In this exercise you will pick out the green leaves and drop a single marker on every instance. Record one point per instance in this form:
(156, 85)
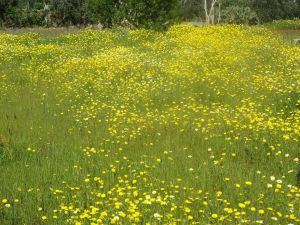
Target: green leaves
(156, 14)
(131, 13)
(239, 15)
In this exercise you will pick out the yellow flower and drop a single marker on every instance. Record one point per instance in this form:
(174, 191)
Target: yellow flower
(44, 218)
(286, 137)
(214, 215)
(186, 209)
(122, 214)
(249, 183)
(190, 217)
(242, 205)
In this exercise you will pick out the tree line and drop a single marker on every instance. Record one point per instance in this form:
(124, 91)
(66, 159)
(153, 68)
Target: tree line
(142, 13)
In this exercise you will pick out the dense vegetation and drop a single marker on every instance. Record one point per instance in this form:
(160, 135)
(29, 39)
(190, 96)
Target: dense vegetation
(139, 13)
(188, 126)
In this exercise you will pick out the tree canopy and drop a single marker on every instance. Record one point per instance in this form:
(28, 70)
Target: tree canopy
(141, 13)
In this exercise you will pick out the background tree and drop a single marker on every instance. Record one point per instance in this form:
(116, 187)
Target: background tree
(101, 11)
(142, 13)
(191, 9)
(268, 10)
(68, 12)
(209, 9)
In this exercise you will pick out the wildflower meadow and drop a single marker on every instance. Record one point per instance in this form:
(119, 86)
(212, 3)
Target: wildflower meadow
(193, 125)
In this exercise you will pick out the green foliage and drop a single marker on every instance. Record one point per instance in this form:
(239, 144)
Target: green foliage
(20, 13)
(139, 13)
(24, 17)
(284, 24)
(244, 11)
(239, 15)
(68, 12)
(269, 10)
(133, 13)
(101, 11)
(191, 10)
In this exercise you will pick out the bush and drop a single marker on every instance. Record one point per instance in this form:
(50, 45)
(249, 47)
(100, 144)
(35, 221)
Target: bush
(239, 15)
(269, 10)
(68, 12)
(101, 11)
(147, 14)
(132, 13)
(24, 18)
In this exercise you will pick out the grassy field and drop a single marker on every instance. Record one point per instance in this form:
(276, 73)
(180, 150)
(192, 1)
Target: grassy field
(289, 35)
(189, 126)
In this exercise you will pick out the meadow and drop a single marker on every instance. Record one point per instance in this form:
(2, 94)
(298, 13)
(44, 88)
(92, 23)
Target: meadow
(188, 126)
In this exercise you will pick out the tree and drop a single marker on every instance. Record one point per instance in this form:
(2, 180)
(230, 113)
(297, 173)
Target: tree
(142, 13)
(191, 9)
(147, 14)
(101, 11)
(133, 13)
(268, 10)
(258, 11)
(239, 15)
(5, 8)
(68, 12)
(209, 8)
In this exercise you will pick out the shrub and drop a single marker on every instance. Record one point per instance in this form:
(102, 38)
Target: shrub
(133, 13)
(239, 15)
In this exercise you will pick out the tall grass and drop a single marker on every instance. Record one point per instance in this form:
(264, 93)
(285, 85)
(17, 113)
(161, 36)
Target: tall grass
(190, 126)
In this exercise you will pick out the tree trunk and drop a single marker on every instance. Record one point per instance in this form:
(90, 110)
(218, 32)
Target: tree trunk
(206, 12)
(219, 13)
(210, 13)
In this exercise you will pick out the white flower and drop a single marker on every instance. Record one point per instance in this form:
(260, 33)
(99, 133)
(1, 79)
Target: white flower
(157, 215)
(272, 178)
(116, 218)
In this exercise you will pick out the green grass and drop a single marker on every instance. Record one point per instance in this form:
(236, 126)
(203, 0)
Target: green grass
(289, 35)
(287, 29)
(188, 126)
